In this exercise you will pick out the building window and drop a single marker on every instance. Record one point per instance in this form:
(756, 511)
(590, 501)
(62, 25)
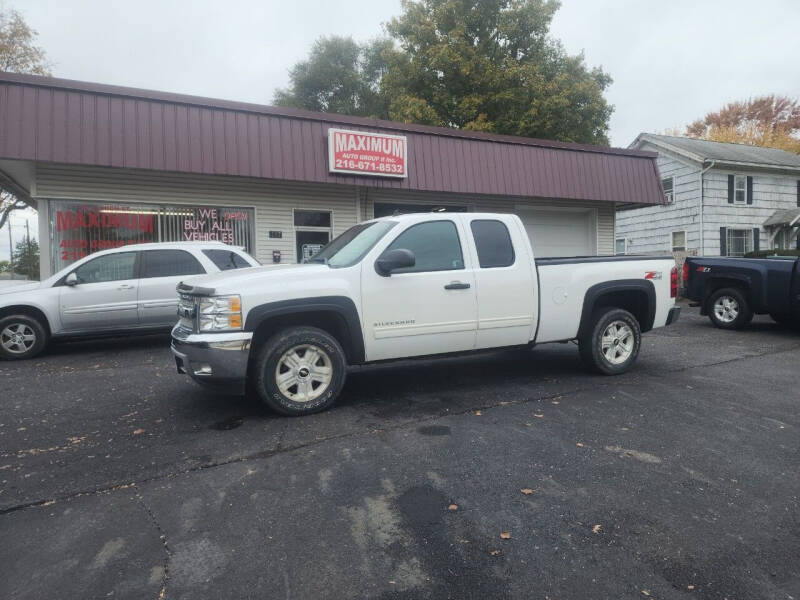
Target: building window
(80, 228)
(669, 189)
(740, 242)
(740, 189)
(621, 246)
(312, 230)
(678, 241)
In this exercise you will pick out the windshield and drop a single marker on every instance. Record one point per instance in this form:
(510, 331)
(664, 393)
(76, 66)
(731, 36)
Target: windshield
(353, 244)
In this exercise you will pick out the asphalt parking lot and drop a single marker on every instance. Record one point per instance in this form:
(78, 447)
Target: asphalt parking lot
(119, 478)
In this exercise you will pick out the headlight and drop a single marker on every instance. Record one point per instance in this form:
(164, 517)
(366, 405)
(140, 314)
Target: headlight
(220, 313)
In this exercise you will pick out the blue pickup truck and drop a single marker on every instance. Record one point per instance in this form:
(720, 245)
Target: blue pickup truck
(731, 290)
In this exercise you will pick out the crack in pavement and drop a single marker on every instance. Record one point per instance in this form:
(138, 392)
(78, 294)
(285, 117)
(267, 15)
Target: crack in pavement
(279, 449)
(163, 537)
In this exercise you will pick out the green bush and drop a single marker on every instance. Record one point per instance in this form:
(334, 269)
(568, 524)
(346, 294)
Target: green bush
(765, 253)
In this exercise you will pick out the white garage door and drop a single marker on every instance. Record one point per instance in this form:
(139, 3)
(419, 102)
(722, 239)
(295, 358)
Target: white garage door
(560, 232)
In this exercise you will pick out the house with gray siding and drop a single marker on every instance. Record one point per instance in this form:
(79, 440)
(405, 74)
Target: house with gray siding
(722, 199)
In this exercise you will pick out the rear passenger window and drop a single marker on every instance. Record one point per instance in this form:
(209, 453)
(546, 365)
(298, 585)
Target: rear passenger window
(493, 244)
(169, 263)
(226, 259)
(435, 245)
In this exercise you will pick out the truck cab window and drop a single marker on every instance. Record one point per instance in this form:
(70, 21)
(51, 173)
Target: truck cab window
(435, 245)
(493, 244)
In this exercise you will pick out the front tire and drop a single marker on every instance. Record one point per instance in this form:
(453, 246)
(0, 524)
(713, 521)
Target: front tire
(21, 337)
(728, 308)
(300, 371)
(612, 342)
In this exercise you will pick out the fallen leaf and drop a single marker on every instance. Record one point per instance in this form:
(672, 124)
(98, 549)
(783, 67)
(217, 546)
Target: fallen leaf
(138, 431)
(494, 552)
(597, 528)
(538, 416)
(453, 507)
(554, 402)
(579, 445)
(528, 424)
(689, 587)
(526, 491)
(645, 592)
(478, 413)
(506, 535)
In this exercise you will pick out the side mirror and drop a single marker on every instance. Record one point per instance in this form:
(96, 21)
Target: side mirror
(71, 279)
(393, 260)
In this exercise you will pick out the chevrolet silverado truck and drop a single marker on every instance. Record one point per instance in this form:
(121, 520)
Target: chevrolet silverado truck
(411, 286)
(731, 290)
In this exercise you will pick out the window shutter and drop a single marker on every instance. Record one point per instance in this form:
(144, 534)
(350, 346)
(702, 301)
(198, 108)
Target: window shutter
(756, 239)
(723, 241)
(798, 197)
(730, 189)
(749, 189)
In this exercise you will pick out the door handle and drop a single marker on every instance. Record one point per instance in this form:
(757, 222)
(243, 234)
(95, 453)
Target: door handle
(456, 285)
(125, 287)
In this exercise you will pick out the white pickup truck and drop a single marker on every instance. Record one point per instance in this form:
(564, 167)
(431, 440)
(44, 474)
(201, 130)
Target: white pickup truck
(409, 286)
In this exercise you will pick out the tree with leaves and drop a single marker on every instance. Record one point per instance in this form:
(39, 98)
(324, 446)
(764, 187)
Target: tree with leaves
(486, 65)
(771, 120)
(18, 54)
(5, 266)
(340, 76)
(26, 258)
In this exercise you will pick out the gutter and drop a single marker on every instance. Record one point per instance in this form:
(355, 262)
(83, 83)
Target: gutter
(702, 210)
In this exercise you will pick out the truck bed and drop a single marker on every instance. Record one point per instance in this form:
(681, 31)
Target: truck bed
(564, 283)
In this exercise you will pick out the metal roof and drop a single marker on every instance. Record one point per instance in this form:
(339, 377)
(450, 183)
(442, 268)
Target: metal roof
(63, 121)
(705, 150)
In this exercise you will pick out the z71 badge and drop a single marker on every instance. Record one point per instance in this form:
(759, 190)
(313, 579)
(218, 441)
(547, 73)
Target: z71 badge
(652, 275)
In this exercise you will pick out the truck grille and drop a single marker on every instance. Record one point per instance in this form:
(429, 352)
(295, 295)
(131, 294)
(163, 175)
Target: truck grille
(187, 310)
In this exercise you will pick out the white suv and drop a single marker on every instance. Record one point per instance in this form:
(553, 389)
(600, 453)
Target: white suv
(127, 289)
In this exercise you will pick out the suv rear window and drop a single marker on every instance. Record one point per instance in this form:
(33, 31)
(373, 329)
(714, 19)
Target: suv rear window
(226, 259)
(493, 244)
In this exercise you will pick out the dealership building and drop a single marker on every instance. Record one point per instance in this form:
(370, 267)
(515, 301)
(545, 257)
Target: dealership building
(108, 166)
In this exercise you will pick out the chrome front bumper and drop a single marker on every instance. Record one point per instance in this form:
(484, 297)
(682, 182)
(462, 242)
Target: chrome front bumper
(213, 359)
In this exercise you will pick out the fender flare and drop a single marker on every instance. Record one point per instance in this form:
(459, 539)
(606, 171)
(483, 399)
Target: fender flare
(340, 305)
(599, 290)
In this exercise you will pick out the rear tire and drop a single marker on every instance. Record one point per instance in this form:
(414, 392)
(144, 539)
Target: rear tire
(612, 342)
(300, 371)
(21, 337)
(728, 308)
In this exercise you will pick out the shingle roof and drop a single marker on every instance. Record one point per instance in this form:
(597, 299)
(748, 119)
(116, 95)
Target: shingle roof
(725, 152)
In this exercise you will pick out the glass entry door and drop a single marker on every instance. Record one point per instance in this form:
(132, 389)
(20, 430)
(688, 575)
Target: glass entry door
(310, 242)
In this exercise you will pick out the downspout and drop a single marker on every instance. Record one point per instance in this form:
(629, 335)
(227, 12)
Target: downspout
(702, 211)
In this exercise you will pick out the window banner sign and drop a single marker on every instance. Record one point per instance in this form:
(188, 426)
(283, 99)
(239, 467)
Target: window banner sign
(362, 153)
(80, 228)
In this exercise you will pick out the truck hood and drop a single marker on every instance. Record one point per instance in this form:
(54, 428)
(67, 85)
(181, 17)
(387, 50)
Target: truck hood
(231, 282)
(11, 288)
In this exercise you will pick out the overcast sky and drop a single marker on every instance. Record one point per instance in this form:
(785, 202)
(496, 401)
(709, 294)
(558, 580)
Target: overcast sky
(672, 60)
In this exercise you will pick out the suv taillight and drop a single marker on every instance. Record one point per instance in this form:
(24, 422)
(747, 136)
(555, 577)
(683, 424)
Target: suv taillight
(685, 273)
(673, 282)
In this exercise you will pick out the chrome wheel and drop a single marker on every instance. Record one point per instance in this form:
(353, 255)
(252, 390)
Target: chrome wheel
(617, 342)
(17, 338)
(303, 373)
(726, 309)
